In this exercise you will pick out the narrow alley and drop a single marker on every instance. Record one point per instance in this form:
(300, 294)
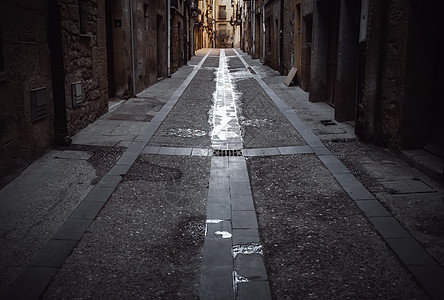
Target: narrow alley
(221, 182)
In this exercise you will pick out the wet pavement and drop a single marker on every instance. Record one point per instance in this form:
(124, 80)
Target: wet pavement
(221, 183)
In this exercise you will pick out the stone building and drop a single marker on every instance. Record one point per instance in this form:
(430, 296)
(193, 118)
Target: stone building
(376, 62)
(203, 30)
(53, 75)
(224, 31)
(136, 44)
(400, 71)
(181, 33)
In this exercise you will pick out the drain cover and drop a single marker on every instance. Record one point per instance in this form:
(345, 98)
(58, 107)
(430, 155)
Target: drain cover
(251, 70)
(328, 122)
(217, 152)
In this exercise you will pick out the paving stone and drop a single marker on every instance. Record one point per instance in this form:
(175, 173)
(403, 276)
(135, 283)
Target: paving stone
(87, 210)
(136, 147)
(111, 181)
(303, 149)
(166, 151)
(218, 196)
(144, 137)
(245, 236)
(407, 186)
(72, 154)
(240, 176)
(253, 290)
(250, 266)
(312, 140)
(240, 189)
(183, 151)
(199, 152)
(219, 173)
(220, 183)
(54, 253)
(236, 160)
(219, 162)
(126, 160)
(334, 165)
(242, 202)
(372, 208)
(217, 210)
(389, 228)
(287, 150)
(72, 229)
(216, 283)
(100, 194)
(217, 225)
(270, 151)
(431, 278)
(119, 170)
(321, 151)
(246, 152)
(411, 252)
(151, 150)
(255, 152)
(31, 283)
(217, 252)
(244, 219)
(355, 189)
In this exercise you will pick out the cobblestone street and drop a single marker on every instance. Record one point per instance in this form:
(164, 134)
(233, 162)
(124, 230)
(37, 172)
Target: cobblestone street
(221, 182)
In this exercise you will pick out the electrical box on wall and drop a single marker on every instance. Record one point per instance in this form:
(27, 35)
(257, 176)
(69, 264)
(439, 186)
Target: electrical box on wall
(39, 108)
(76, 94)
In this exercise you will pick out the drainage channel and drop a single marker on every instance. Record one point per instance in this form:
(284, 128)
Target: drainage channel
(232, 263)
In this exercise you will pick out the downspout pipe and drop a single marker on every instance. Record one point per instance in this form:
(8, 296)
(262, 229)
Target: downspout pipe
(169, 38)
(281, 39)
(133, 65)
(253, 25)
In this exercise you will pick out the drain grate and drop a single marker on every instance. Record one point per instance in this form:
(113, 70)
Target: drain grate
(251, 70)
(218, 152)
(328, 122)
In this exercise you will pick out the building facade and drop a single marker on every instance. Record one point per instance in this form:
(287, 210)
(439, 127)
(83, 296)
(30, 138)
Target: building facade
(53, 76)
(57, 76)
(224, 31)
(363, 58)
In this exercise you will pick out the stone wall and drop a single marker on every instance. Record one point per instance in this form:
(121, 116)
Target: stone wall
(289, 27)
(84, 46)
(23, 136)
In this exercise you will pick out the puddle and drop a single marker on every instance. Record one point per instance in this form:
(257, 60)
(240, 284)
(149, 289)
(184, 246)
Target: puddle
(237, 278)
(256, 122)
(224, 234)
(211, 221)
(186, 132)
(226, 132)
(253, 248)
(214, 221)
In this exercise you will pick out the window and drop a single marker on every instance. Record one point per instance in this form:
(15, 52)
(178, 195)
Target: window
(222, 12)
